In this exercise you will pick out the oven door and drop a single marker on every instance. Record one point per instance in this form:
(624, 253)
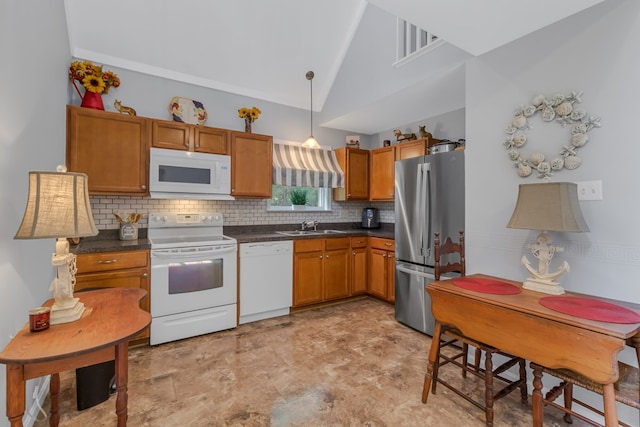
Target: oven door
(188, 279)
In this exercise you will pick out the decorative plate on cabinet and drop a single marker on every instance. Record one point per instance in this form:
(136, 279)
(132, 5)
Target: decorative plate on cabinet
(187, 110)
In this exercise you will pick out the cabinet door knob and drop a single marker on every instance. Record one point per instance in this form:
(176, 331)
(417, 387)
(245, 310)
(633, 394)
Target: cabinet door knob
(327, 256)
(143, 187)
(186, 144)
(145, 275)
(320, 256)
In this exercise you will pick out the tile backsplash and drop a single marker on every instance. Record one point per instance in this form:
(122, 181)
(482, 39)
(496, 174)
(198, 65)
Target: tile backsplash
(235, 212)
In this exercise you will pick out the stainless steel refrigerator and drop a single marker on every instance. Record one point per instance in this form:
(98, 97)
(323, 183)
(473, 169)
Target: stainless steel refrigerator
(429, 197)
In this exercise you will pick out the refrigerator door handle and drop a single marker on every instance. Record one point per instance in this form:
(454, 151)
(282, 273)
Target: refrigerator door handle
(426, 193)
(419, 197)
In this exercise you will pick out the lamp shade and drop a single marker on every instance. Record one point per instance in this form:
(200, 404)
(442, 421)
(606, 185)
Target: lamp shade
(551, 206)
(58, 205)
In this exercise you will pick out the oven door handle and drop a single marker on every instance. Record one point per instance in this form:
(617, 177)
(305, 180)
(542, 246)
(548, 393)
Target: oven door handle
(191, 253)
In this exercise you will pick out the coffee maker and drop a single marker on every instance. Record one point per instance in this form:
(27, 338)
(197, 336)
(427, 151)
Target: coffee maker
(370, 218)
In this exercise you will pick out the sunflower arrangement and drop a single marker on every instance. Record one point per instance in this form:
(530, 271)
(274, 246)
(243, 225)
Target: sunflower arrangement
(92, 77)
(250, 114)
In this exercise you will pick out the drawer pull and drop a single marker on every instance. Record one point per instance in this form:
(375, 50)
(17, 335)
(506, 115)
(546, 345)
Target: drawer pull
(387, 244)
(108, 261)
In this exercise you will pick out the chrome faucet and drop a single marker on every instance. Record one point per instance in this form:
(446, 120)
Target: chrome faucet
(306, 225)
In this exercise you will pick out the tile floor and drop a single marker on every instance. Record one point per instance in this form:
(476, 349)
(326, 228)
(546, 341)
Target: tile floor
(349, 364)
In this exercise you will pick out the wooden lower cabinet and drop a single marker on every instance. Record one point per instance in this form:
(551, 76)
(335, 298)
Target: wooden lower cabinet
(358, 265)
(336, 268)
(382, 268)
(307, 272)
(320, 270)
(120, 269)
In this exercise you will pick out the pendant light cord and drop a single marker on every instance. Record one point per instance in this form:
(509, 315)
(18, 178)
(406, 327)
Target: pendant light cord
(310, 76)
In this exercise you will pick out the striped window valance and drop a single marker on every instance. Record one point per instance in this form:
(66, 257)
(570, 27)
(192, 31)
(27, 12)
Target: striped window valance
(306, 167)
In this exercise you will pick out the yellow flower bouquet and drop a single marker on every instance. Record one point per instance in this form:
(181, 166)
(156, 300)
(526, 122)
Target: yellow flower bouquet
(92, 77)
(249, 113)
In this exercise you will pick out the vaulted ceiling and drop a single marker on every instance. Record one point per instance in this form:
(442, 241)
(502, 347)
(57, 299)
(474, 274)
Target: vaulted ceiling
(262, 49)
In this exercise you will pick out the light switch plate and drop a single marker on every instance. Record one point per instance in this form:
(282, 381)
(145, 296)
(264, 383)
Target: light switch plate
(589, 190)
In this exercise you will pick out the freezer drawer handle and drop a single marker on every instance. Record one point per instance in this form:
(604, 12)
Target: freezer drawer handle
(414, 272)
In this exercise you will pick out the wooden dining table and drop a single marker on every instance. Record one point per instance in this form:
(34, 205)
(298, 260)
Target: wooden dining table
(112, 316)
(520, 325)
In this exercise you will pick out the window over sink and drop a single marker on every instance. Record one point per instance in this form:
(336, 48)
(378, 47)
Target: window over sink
(317, 199)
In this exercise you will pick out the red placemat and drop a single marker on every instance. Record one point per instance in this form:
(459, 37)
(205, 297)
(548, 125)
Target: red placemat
(586, 308)
(486, 286)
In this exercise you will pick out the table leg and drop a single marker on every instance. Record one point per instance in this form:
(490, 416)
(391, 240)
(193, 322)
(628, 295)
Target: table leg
(122, 374)
(54, 393)
(15, 394)
(610, 411)
(433, 354)
(536, 397)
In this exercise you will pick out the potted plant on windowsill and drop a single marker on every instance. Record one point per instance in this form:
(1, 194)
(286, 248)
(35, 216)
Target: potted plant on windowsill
(298, 198)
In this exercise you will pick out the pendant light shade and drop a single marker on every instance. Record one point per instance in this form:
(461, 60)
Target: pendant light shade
(311, 141)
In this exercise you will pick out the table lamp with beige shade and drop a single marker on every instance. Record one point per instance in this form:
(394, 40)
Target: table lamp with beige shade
(550, 206)
(58, 206)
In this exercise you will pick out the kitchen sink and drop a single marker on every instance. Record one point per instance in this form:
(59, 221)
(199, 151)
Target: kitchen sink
(309, 232)
(297, 232)
(331, 231)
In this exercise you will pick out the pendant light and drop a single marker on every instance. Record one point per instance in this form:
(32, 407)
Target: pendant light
(311, 141)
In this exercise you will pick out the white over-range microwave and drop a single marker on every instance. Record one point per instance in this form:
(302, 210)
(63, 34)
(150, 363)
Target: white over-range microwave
(177, 174)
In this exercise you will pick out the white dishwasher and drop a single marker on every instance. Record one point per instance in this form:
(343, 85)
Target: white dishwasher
(266, 280)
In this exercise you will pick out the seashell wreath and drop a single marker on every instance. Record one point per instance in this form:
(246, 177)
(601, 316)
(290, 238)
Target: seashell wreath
(561, 109)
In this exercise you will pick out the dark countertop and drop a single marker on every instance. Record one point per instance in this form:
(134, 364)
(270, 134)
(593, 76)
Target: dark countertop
(267, 233)
(108, 240)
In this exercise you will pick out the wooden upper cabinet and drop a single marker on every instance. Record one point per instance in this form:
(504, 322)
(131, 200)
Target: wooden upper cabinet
(211, 140)
(251, 165)
(183, 136)
(415, 148)
(355, 164)
(382, 181)
(111, 148)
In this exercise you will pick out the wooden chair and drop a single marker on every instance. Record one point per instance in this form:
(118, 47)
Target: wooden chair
(626, 389)
(453, 338)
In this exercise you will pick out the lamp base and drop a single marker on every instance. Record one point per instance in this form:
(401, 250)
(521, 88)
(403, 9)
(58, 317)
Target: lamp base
(67, 314)
(544, 286)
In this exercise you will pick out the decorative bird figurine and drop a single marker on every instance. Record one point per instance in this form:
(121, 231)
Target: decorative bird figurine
(423, 132)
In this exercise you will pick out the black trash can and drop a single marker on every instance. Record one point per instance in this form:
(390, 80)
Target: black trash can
(94, 383)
